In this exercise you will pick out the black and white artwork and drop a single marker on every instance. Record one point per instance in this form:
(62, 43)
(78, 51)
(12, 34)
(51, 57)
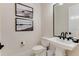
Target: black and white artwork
(22, 10)
(23, 24)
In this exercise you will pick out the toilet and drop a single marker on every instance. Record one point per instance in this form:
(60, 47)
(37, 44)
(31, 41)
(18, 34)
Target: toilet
(40, 50)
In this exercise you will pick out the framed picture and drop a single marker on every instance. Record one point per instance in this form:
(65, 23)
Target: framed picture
(22, 10)
(23, 24)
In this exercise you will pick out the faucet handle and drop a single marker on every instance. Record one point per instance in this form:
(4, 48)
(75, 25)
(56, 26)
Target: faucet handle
(70, 33)
(66, 32)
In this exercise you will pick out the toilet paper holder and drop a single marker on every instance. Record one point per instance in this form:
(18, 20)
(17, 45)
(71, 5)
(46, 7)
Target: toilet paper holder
(21, 43)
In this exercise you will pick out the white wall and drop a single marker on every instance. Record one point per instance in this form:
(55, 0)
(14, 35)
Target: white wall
(47, 19)
(12, 39)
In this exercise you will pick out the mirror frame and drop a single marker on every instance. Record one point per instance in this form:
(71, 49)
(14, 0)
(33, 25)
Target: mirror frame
(54, 21)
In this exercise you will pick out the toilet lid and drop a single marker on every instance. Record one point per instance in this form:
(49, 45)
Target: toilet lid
(38, 47)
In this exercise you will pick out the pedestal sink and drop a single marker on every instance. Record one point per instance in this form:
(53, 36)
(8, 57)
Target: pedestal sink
(61, 45)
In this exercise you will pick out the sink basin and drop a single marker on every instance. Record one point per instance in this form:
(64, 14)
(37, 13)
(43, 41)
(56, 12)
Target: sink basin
(64, 44)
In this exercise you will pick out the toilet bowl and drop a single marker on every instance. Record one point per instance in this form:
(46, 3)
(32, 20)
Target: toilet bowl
(39, 50)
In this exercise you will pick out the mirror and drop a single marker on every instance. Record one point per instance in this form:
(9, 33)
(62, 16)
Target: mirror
(66, 18)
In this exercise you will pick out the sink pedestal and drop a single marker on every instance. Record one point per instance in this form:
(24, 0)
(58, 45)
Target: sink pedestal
(59, 51)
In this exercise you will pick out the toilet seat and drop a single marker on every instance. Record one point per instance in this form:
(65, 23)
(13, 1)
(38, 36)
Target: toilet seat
(38, 49)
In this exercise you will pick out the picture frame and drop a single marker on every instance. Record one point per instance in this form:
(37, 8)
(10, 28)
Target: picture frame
(24, 11)
(23, 24)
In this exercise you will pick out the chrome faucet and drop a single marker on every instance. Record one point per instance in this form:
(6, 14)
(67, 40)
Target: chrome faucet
(65, 34)
(62, 35)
